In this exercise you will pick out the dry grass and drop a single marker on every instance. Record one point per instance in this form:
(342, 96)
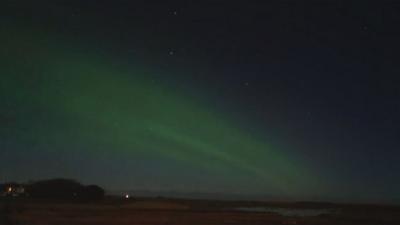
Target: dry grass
(146, 212)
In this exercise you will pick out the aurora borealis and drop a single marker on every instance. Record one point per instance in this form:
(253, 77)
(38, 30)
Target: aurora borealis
(83, 104)
(118, 109)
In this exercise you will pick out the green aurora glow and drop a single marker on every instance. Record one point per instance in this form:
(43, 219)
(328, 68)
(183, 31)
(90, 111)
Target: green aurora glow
(78, 99)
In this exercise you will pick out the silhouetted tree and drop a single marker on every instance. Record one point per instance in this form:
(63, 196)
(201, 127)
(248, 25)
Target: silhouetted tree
(55, 189)
(92, 193)
(64, 189)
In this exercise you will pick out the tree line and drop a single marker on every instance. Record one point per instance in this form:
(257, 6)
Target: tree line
(60, 188)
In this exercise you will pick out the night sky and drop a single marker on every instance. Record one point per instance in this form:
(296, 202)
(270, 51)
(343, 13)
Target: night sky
(282, 100)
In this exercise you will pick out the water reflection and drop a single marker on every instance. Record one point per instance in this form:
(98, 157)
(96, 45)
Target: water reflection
(286, 211)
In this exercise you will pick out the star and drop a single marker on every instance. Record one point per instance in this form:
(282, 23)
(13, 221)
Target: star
(309, 115)
(171, 52)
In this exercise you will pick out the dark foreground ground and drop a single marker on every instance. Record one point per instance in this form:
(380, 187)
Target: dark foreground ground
(187, 212)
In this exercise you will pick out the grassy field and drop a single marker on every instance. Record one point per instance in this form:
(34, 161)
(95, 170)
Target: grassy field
(185, 212)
